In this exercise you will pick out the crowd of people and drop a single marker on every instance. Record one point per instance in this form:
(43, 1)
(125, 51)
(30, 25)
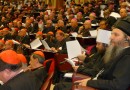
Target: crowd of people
(107, 64)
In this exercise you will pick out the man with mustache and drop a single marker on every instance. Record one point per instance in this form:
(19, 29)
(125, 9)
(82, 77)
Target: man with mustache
(115, 75)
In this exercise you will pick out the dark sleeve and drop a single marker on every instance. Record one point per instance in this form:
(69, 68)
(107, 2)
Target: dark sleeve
(26, 40)
(87, 71)
(121, 77)
(64, 50)
(91, 68)
(64, 47)
(41, 74)
(111, 21)
(4, 87)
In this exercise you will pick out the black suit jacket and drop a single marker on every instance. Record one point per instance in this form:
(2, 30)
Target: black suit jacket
(62, 44)
(116, 75)
(95, 63)
(47, 29)
(26, 81)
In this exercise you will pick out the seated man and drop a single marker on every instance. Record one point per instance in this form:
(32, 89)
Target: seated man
(23, 60)
(50, 39)
(60, 46)
(84, 30)
(12, 75)
(39, 35)
(92, 67)
(9, 45)
(114, 76)
(94, 62)
(103, 25)
(36, 60)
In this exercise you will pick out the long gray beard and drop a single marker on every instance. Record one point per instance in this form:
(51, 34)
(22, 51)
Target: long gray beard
(112, 52)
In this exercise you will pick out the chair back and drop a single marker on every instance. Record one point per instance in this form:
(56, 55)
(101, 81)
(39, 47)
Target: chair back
(61, 64)
(50, 66)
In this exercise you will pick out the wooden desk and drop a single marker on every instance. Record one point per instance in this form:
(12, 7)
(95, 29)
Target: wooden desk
(49, 55)
(85, 41)
(77, 76)
(61, 64)
(78, 87)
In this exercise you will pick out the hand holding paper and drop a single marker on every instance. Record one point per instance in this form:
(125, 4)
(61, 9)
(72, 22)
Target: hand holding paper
(71, 62)
(46, 45)
(35, 44)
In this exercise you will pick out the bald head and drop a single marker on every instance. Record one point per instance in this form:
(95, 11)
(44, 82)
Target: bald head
(74, 22)
(106, 13)
(9, 45)
(87, 24)
(22, 32)
(79, 15)
(92, 16)
(123, 5)
(123, 12)
(60, 23)
(49, 23)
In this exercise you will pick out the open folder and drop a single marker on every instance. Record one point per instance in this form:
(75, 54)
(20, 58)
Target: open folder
(35, 43)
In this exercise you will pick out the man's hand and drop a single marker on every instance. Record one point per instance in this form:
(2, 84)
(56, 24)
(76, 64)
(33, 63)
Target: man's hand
(75, 68)
(81, 57)
(83, 82)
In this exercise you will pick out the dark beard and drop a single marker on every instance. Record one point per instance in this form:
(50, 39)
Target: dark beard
(112, 52)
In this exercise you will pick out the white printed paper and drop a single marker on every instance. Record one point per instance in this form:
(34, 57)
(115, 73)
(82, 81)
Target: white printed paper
(35, 44)
(103, 36)
(68, 75)
(116, 15)
(73, 49)
(74, 34)
(93, 33)
(71, 62)
(46, 45)
(15, 42)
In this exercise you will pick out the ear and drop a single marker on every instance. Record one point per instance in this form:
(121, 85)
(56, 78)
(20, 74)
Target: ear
(37, 61)
(128, 37)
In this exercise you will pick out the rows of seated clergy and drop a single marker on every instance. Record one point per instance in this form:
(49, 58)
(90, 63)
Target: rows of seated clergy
(21, 24)
(104, 69)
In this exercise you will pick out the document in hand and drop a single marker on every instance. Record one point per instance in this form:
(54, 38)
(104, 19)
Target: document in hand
(73, 49)
(93, 33)
(116, 15)
(74, 34)
(46, 46)
(35, 44)
(68, 75)
(15, 42)
(103, 36)
(70, 61)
